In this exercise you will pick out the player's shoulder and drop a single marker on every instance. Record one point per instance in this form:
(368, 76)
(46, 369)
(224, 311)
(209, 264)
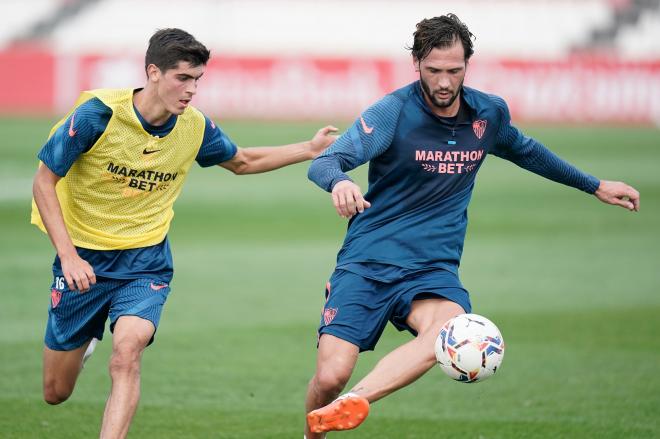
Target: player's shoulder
(191, 121)
(93, 108)
(194, 114)
(90, 115)
(110, 96)
(97, 106)
(481, 101)
(196, 111)
(392, 102)
(403, 94)
(487, 106)
(210, 127)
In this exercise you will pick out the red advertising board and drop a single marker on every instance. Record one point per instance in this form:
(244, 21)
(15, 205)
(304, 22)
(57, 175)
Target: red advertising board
(575, 90)
(27, 78)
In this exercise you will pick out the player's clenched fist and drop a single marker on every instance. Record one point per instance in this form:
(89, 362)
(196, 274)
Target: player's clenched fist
(348, 200)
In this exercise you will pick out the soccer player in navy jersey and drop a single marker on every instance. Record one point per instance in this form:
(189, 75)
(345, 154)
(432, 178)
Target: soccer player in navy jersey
(424, 143)
(109, 175)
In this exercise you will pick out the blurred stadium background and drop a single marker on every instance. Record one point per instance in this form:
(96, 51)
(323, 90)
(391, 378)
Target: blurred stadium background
(553, 60)
(572, 284)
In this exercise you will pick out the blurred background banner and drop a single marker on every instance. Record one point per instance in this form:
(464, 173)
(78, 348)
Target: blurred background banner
(595, 61)
(578, 89)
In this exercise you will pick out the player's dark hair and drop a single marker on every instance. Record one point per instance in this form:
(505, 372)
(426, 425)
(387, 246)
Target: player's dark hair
(441, 32)
(169, 46)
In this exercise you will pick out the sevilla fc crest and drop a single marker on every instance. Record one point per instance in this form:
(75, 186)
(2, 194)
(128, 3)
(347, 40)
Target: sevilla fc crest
(329, 314)
(479, 127)
(55, 297)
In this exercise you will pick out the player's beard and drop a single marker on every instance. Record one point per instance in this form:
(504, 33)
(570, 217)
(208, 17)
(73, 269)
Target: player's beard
(437, 102)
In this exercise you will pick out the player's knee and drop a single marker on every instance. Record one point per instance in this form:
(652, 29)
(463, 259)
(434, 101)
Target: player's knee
(54, 394)
(124, 361)
(332, 379)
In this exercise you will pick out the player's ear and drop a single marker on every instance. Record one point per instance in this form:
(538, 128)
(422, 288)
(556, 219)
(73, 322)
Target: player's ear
(153, 72)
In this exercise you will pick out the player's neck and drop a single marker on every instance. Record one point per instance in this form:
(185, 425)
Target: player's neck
(150, 106)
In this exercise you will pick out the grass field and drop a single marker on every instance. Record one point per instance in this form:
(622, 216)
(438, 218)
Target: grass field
(573, 285)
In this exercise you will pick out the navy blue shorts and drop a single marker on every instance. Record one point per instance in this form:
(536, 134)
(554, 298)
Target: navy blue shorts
(75, 317)
(357, 309)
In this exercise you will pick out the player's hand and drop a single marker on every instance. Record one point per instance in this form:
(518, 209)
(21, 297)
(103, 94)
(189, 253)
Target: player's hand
(348, 200)
(618, 194)
(78, 273)
(322, 139)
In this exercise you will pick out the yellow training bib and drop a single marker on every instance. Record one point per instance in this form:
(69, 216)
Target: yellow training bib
(120, 193)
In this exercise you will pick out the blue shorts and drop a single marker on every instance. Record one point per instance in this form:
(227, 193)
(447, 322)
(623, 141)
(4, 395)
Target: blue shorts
(357, 309)
(74, 317)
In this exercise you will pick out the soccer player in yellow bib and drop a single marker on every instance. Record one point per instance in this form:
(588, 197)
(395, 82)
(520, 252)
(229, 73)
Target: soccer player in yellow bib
(109, 175)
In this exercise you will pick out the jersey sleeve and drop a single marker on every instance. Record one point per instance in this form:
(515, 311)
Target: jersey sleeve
(216, 146)
(526, 152)
(75, 136)
(370, 136)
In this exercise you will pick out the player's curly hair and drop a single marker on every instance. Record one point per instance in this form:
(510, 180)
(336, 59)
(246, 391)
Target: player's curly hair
(441, 32)
(169, 46)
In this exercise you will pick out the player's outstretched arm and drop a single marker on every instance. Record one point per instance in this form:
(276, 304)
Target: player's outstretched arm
(78, 273)
(618, 194)
(267, 158)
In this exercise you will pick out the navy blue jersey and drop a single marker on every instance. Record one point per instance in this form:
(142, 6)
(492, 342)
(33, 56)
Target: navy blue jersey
(61, 151)
(422, 170)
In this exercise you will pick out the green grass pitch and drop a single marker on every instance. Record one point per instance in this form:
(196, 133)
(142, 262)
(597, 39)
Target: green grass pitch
(573, 285)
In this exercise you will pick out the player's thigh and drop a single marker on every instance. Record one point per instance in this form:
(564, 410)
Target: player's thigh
(142, 300)
(429, 313)
(357, 309)
(429, 300)
(61, 368)
(336, 353)
(132, 334)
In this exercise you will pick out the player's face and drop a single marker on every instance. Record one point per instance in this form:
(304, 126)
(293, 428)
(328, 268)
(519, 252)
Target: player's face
(441, 74)
(177, 86)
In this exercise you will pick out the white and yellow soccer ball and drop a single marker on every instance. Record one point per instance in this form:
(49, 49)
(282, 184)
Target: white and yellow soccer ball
(469, 348)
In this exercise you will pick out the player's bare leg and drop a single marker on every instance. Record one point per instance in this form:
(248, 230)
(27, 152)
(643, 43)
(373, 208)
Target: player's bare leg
(131, 335)
(410, 361)
(335, 361)
(61, 370)
(397, 369)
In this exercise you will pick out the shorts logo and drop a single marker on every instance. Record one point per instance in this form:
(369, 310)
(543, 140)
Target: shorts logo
(157, 287)
(329, 314)
(55, 297)
(479, 127)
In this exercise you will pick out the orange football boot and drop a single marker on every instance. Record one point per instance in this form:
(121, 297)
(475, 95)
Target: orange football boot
(344, 413)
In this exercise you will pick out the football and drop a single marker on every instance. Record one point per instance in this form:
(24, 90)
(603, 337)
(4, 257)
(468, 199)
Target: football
(469, 348)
